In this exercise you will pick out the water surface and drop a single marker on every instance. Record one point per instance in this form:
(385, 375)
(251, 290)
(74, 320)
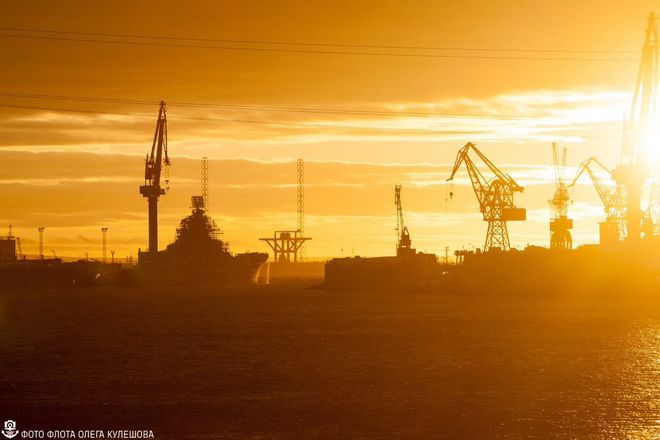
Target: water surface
(281, 362)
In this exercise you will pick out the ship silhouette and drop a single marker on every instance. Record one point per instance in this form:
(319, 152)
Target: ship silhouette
(198, 256)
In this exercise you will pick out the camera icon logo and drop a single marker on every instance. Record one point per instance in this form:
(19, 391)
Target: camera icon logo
(10, 430)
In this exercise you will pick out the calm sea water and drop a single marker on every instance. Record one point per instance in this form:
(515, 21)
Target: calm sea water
(297, 364)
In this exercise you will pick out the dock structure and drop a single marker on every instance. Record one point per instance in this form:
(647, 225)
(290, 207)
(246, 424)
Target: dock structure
(8, 248)
(286, 245)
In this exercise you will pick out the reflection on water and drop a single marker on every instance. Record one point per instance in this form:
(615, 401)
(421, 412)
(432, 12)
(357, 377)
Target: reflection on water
(640, 393)
(288, 364)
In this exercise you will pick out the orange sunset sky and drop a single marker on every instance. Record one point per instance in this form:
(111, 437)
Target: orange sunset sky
(369, 93)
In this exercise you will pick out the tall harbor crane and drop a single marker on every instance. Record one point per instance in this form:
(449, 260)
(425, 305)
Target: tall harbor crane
(613, 197)
(495, 196)
(634, 170)
(403, 244)
(560, 224)
(154, 164)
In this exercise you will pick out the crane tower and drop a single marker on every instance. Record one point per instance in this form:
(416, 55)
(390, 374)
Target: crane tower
(154, 164)
(560, 224)
(634, 168)
(495, 196)
(403, 244)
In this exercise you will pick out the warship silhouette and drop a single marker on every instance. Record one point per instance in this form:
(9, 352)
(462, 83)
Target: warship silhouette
(198, 256)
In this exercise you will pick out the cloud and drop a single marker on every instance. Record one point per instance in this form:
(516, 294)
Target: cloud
(78, 172)
(532, 116)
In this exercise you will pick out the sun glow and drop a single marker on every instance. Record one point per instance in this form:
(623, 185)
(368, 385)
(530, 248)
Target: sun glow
(651, 147)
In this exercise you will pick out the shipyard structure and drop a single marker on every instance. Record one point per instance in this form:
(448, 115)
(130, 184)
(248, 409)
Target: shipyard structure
(627, 256)
(406, 270)
(198, 255)
(628, 251)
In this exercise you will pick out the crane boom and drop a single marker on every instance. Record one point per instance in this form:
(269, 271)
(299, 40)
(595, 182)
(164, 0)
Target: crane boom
(607, 196)
(560, 164)
(154, 163)
(495, 196)
(642, 106)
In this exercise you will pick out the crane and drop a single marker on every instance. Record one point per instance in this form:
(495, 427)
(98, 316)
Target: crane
(403, 245)
(495, 196)
(560, 224)
(634, 169)
(154, 163)
(613, 198)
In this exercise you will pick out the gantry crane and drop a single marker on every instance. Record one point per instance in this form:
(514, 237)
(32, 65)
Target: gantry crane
(560, 224)
(634, 169)
(613, 229)
(154, 164)
(495, 196)
(403, 245)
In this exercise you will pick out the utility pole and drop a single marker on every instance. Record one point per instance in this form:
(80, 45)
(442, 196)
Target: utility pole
(112, 255)
(104, 231)
(41, 242)
(19, 254)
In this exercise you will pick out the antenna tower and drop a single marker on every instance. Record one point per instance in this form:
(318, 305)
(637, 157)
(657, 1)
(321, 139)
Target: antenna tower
(301, 200)
(205, 182)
